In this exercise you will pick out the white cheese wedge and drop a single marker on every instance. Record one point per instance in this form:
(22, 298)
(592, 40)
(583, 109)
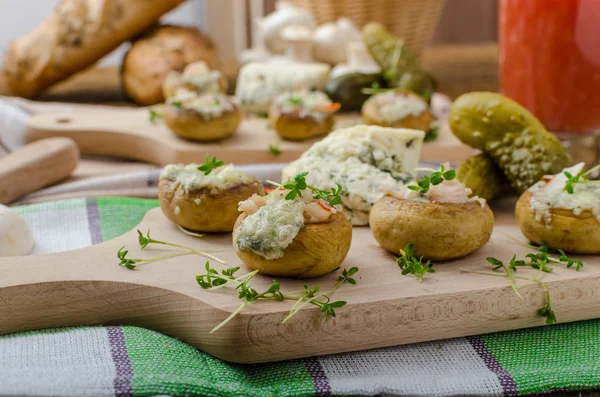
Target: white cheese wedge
(260, 82)
(367, 161)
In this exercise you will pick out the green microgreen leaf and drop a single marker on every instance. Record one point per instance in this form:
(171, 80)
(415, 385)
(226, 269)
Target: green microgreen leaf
(432, 134)
(154, 116)
(209, 165)
(410, 264)
(275, 150)
(435, 178)
(297, 101)
(298, 184)
(581, 177)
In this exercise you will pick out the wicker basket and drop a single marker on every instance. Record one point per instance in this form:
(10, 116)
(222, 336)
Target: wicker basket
(412, 20)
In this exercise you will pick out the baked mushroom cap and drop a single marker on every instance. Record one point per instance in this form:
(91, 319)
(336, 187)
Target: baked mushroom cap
(577, 234)
(438, 231)
(191, 124)
(295, 127)
(318, 249)
(371, 114)
(208, 209)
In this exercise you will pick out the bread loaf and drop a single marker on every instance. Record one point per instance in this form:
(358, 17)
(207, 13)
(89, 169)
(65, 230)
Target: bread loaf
(76, 35)
(159, 51)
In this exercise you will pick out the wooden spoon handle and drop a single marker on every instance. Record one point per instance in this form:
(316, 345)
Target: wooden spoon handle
(35, 166)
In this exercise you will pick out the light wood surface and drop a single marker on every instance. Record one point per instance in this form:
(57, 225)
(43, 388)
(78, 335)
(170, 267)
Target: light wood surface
(384, 308)
(127, 133)
(35, 166)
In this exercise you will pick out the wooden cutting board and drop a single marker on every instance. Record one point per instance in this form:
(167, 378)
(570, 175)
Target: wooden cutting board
(87, 287)
(128, 133)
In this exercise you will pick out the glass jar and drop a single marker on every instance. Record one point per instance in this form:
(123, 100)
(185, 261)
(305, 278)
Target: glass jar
(550, 63)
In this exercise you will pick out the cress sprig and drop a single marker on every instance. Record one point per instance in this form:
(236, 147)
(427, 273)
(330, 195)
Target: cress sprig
(275, 151)
(154, 115)
(212, 280)
(410, 264)
(145, 240)
(296, 100)
(210, 164)
(435, 178)
(563, 259)
(298, 184)
(509, 272)
(540, 261)
(580, 177)
(311, 296)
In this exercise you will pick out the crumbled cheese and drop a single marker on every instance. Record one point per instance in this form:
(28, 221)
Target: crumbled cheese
(395, 106)
(367, 161)
(191, 179)
(585, 197)
(199, 75)
(304, 104)
(209, 105)
(449, 191)
(271, 229)
(260, 82)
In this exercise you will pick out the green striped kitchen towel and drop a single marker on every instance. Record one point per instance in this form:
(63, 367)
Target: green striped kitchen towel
(130, 361)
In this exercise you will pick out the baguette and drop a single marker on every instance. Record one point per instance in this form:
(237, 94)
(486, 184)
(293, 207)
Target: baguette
(77, 34)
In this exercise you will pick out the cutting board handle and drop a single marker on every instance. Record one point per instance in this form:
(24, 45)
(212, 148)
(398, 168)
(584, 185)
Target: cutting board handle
(123, 133)
(35, 166)
(87, 287)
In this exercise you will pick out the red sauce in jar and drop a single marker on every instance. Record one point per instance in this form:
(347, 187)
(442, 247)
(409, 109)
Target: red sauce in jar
(550, 60)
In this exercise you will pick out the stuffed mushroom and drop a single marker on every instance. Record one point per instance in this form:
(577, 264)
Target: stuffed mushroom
(205, 117)
(299, 237)
(302, 114)
(439, 217)
(397, 109)
(196, 77)
(203, 202)
(563, 212)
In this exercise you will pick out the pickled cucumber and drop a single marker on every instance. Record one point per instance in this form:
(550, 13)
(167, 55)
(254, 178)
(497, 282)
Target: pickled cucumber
(517, 141)
(347, 89)
(399, 65)
(481, 174)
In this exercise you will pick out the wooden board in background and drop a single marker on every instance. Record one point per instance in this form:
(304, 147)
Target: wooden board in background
(127, 133)
(86, 287)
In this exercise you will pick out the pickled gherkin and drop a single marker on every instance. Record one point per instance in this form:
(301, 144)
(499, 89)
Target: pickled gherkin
(399, 65)
(347, 89)
(481, 174)
(516, 141)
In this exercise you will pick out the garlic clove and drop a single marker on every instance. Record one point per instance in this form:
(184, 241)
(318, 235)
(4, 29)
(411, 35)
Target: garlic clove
(330, 40)
(16, 238)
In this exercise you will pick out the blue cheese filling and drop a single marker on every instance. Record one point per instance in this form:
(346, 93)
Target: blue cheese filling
(394, 106)
(191, 179)
(304, 104)
(585, 197)
(209, 105)
(270, 230)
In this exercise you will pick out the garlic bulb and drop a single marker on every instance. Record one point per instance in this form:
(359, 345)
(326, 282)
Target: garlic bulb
(330, 40)
(16, 238)
(285, 14)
